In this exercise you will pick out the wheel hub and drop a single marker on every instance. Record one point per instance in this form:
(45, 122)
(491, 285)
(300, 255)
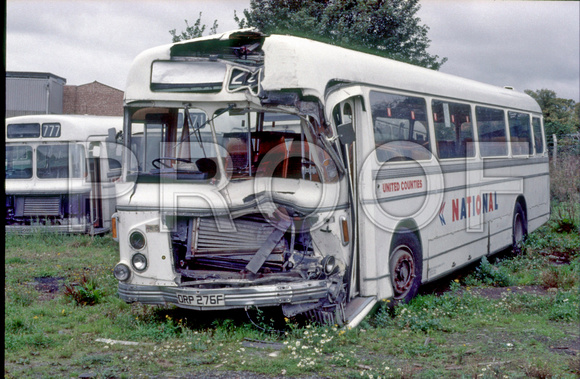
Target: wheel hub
(403, 272)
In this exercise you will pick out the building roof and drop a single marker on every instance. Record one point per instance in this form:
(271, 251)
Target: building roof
(33, 75)
(93, 83)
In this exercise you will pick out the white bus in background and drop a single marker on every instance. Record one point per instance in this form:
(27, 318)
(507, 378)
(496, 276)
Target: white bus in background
(60, 172)
(279, 171)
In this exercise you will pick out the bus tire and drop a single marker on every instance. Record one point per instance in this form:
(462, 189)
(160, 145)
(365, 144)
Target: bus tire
(405, 266)
(519, 228)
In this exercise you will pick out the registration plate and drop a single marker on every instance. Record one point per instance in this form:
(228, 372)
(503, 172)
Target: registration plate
(202, 300)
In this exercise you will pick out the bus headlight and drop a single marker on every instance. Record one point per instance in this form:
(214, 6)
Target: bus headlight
(329, 265)
(139, 262)
(137, 240)
(121, 272)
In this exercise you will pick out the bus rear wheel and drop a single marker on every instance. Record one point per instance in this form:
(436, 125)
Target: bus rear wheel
(519, 229)
(405, 266)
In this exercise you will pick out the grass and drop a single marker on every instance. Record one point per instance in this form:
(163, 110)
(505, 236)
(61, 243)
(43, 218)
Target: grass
(62, 318)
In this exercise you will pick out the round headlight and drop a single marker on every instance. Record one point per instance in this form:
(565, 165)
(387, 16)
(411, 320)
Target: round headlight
(139, 262)
(137, 240)
(329, 265)
(121, 272)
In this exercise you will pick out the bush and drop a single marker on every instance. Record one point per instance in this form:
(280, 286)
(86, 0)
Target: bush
(565, 307)
(86, 292)
(565, 191)
(489, 274)
(562, 277)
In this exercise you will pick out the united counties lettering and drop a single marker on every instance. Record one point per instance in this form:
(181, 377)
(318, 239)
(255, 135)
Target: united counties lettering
(473, 206)
(404, 185)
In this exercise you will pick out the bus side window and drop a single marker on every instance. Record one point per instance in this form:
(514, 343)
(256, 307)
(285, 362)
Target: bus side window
(18, 162)
(453, 129)
(538, 140)
(400, 127)
(491, 130)
(52, 161)
(77, 153)
(520, 133)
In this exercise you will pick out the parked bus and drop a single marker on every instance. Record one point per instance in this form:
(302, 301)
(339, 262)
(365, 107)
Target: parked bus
(60, 172)
(279, 171)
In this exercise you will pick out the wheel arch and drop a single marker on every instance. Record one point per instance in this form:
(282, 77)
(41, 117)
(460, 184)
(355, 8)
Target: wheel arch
(522, 201)
(410, 225)
(407, 233)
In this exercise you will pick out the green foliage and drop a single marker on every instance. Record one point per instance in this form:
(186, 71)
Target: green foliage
(490, 275)
(454, 334)
(559, 277)
(561, 116)
(86, 292)
(565, 191)
(549, 240)
(427, 312)
(564, 307)
(193, 31)
(386, 28)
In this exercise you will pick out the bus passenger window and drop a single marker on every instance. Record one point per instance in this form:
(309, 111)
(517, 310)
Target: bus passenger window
(453, 129)
(52, 161)
(520, 134)
(538, 140)
(491, 131)
(18, 162)
(400, 127)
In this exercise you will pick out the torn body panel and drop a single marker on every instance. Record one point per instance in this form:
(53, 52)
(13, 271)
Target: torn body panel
(247, 184)
(262, 228)
(265, 261)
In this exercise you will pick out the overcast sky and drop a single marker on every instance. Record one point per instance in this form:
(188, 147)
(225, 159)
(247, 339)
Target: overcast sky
(524, 44)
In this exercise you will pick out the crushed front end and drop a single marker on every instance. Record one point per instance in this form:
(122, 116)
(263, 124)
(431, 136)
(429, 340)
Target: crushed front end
(254, 259)
(240, 197)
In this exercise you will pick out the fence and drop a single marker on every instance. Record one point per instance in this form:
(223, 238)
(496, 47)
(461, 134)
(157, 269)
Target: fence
(566, 145)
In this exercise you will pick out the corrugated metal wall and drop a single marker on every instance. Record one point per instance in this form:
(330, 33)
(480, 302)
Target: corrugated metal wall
(28, 95)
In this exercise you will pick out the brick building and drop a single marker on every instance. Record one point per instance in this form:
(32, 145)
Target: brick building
(93, 98)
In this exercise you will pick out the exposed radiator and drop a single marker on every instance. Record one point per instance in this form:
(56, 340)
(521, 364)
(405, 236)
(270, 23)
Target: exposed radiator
(41, 206)
(249, 236)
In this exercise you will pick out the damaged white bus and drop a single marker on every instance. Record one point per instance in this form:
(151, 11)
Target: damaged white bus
(60, 172)
(279, 171)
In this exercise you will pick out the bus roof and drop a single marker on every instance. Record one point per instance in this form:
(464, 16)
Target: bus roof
(311, 66)
(73, 127)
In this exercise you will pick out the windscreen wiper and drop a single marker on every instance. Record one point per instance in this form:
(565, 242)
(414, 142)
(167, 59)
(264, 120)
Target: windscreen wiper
(197, 127)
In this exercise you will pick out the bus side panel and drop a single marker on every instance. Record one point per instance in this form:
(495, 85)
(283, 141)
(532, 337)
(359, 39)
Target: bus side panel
(537, 193)
(477, 219)
(374, 259)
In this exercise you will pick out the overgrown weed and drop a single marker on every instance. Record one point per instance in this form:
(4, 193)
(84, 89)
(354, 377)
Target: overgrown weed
(539, 369)
(86, 292)
(565, 193)
(432, 332)
(563, 277)
(488, 274)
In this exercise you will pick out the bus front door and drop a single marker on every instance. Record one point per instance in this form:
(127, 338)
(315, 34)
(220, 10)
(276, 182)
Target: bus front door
(96, 214)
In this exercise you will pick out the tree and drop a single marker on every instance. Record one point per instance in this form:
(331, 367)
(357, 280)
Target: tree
(194, 31)
(560, 115)
(382, 27)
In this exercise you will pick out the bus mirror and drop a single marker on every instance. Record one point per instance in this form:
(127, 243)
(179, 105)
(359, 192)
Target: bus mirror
(111, 135)
(346, 133)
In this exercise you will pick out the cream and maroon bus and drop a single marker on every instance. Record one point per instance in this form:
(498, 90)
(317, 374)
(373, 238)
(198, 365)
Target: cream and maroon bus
(60, 172)
(273, 170)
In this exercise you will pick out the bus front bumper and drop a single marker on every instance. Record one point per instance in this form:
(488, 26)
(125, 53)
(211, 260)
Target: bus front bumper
(227, 297)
